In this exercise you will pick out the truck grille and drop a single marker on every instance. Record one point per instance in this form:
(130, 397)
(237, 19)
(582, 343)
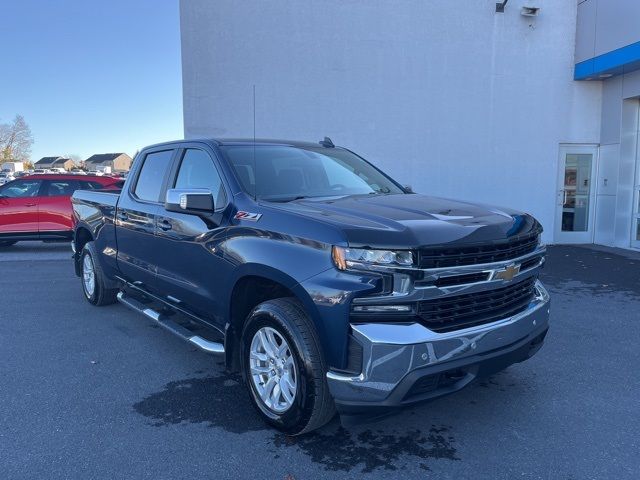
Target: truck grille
(438, 257)
(461, 311)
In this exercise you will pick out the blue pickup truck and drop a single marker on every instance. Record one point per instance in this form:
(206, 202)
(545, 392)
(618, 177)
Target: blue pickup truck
(324, 282)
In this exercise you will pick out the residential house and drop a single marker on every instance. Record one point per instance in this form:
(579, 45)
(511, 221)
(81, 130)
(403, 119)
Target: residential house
(118, 162)
(55, 162)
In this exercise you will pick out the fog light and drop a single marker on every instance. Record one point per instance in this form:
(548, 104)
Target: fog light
(381, 308)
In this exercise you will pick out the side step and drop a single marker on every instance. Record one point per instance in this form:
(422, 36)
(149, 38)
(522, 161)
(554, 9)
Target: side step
(179, 330)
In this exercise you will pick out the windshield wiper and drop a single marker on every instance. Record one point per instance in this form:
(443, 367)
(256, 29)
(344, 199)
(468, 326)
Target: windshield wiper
(286, 199)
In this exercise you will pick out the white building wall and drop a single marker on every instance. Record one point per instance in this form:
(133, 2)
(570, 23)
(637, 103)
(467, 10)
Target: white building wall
(450, 97)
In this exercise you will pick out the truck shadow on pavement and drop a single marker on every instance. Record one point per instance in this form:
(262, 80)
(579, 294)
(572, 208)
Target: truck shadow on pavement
(222, 402)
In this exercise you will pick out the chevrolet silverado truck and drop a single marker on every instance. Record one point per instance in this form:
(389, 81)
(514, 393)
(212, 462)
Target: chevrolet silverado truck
(325, 283)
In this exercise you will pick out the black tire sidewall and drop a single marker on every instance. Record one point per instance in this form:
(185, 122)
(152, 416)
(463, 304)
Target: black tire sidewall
(297, 416)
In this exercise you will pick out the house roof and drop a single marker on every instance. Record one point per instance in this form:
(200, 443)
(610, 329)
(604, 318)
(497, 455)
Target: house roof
(103, 157)
(48, 160)
(52, 161)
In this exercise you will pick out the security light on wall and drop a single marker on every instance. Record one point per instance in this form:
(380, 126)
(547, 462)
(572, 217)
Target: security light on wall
(500, 6)
(529, 11)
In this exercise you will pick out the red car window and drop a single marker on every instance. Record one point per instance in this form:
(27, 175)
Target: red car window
(21, 188)
(61, 188)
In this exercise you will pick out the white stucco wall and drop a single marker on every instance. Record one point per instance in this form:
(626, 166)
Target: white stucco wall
(450, 97)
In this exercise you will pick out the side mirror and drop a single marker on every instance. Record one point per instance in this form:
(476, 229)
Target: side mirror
(408, 188)
(195, 201)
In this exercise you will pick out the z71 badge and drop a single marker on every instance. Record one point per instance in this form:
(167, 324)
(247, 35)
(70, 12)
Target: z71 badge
(252, 217)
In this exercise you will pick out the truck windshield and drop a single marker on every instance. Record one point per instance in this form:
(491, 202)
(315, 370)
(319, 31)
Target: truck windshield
(285, 173)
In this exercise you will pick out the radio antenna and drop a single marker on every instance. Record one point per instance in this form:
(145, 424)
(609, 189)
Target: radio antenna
(255, 173)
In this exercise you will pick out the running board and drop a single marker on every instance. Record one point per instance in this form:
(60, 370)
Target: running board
(179, 330)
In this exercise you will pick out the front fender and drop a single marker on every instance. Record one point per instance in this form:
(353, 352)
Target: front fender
(278, 276)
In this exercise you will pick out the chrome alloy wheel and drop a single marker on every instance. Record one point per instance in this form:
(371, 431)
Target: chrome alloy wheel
(273, 370)
(88, 275)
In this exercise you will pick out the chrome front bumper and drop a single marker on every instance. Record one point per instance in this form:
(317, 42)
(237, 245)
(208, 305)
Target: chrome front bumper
(395, 354)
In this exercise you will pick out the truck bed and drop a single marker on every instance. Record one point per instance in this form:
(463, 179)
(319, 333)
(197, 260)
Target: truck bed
(95, 206)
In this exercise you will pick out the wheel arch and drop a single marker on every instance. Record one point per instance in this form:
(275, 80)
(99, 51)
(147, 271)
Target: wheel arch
(251, 287)
(81, 237)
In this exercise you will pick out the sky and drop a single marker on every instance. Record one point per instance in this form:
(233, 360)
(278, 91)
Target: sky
(92, 76)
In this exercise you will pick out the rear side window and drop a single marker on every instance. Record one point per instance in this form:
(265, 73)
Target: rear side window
(61, 188)
(154, 169)
(197, 170)
(87, 185)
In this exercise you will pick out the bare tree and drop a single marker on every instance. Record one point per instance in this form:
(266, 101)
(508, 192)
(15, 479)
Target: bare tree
(15, 140)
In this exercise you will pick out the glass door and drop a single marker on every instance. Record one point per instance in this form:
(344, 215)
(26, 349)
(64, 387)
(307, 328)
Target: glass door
(575, 199)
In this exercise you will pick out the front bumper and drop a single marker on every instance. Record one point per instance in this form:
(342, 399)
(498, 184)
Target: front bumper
(407, 363)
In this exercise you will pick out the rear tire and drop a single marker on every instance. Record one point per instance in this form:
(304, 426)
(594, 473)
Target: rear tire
(93, 279)
(7, 243)
(308, 405)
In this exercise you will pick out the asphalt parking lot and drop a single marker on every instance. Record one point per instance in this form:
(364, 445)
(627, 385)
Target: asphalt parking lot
(91, 392)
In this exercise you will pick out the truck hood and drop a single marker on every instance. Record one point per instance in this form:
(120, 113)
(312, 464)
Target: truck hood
(411, 221)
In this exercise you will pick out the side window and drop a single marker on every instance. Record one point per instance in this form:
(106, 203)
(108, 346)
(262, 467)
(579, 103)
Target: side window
(197, 170)
(154, 169)
(60, 188)
(21, 189)
(88, 185)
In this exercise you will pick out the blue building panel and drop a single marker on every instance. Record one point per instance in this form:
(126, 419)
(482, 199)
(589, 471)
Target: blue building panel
(616, 62)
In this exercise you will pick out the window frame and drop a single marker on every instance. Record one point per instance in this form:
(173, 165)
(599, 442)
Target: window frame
(163, 188)
(177, 162)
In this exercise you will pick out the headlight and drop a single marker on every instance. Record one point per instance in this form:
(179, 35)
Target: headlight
(345, 257)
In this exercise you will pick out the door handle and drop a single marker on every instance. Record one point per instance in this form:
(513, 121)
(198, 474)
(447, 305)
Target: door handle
(165, 225)
(122, 216)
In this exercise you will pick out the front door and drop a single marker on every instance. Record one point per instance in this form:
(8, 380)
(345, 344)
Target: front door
(575, 200)
(195, 272)
(19, 206)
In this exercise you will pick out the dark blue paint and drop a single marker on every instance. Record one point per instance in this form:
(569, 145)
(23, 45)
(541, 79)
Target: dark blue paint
(200, 260)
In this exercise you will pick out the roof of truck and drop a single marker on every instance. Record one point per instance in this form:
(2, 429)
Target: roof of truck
(263, 141)
(242, 141)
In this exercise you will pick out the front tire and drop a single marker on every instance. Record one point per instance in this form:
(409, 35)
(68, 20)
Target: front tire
(283, 368)
(93, 280)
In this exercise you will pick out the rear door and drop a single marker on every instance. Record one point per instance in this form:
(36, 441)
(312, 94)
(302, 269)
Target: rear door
(136, 217)
(193, 270)
(19, 206)
(54, 211)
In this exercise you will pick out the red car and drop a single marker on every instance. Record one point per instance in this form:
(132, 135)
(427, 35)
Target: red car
(38, 207)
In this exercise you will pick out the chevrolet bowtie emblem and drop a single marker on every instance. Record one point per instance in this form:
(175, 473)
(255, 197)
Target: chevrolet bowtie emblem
(508, 273)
